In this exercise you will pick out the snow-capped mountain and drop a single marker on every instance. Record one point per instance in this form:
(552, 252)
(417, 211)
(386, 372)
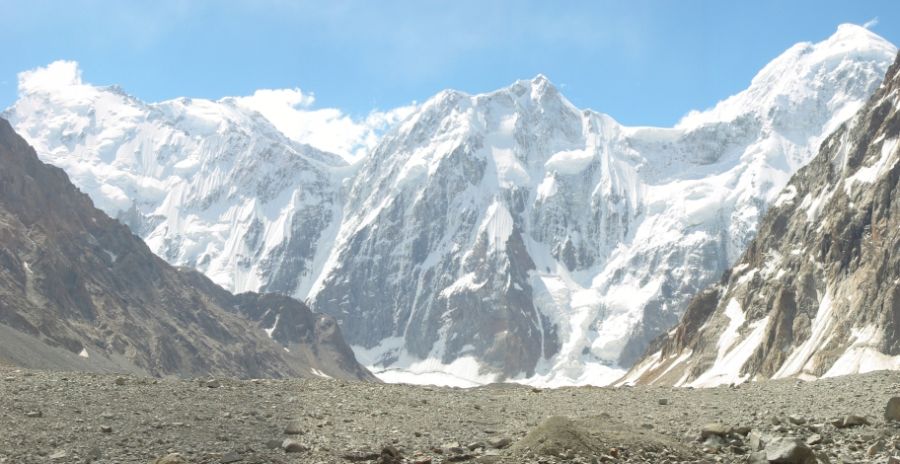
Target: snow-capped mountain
(818, 291)
(551, 243)
(79, 291)
(210, 185)
(507, 233)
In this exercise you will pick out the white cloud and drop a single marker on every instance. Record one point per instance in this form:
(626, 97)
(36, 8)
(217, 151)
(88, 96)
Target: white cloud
(290, 110)
(871, 23)
(328, 129)
(56, 75)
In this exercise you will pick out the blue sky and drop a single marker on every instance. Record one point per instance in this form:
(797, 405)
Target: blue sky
(643, 62)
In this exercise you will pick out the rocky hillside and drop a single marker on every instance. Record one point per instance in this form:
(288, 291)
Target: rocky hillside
(818, 291)
(79, 291)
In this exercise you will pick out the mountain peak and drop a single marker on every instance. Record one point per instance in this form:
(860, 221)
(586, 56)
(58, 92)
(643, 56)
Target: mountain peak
(539, 85)
(540, 80)
(855, 32)
(796, 75)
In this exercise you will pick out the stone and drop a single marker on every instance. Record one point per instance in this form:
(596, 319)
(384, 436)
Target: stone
(796, 420)
(212, 384)
(293, 446)
(875, 448)
(360, 456)
(713, 442)
(853, 420)
(714, 428)
(34, 414)
(500, 443)
(663, 401)
(789, 451)
(273, 444)
(120, 381)
(172, 458)
(390, 455)
(814, 439)
(93, 454)
(61, 454)
(293, 428)
(106, 429)
(453, 447)
(892, 411)
(460, 457)
(755, 441)
(230, 458)
(758, 457)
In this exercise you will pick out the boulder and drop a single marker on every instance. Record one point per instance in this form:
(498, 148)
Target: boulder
(789, 450)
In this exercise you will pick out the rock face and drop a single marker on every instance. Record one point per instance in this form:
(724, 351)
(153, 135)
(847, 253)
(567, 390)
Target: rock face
(79, 291)
(506, 234)
(818, 291)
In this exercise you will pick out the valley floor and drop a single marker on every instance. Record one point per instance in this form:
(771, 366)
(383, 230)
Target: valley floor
(75, 417)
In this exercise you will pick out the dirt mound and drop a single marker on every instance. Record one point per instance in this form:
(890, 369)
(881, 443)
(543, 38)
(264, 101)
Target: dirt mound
(567, 438)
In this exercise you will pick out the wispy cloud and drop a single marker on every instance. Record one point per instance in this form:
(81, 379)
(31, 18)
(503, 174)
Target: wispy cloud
(330, 129)
(871, 23)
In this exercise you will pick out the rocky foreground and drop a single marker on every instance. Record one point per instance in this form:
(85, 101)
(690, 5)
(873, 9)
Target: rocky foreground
(75, 417)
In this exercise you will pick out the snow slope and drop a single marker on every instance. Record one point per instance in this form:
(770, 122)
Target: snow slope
(210, 185)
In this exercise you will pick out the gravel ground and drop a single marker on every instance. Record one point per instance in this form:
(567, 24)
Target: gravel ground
(77, 417)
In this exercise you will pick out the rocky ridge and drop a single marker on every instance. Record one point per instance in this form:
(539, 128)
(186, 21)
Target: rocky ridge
(78, 290)
(818, 291)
